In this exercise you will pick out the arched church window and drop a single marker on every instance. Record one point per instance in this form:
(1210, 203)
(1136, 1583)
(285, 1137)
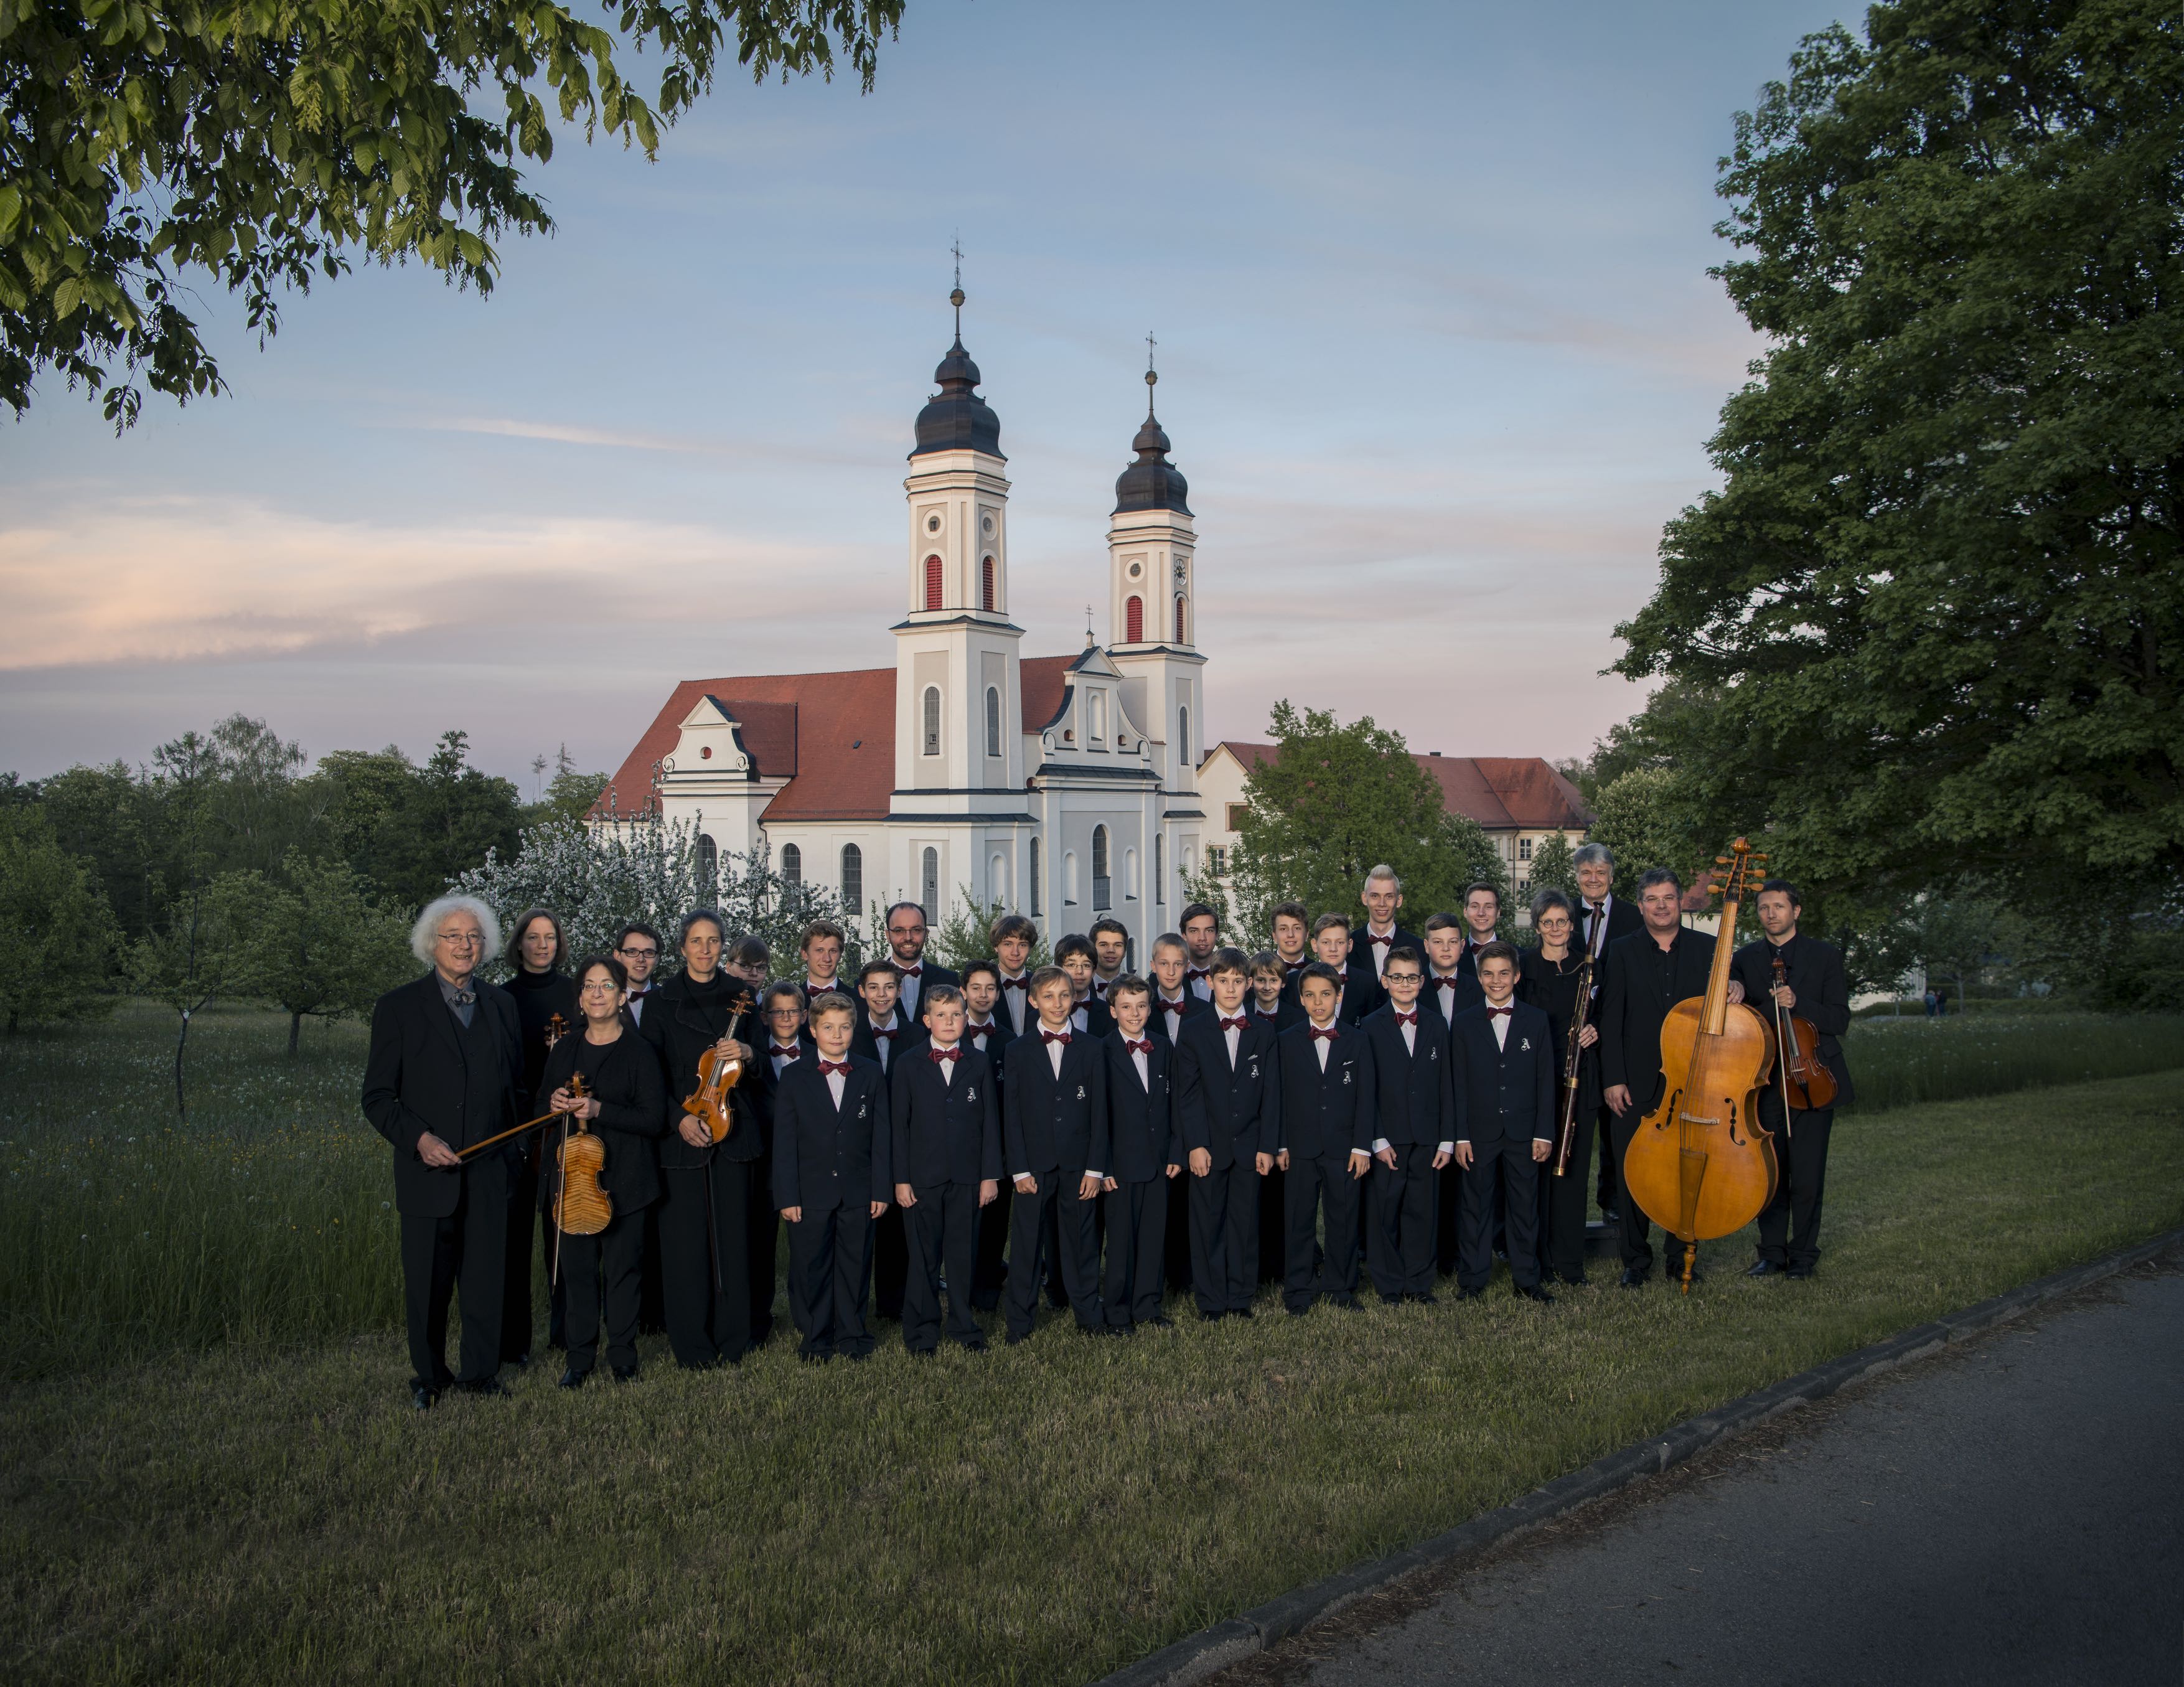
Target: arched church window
(933, 584)
(792, 864)
(708, 855)
(929, 880)
(1182, 740)
(853, 877)
(1097, 728)
(993, 720)
(1102, 885)
(1038, 884)
(1133, 620)
(932, 720)
(1179, 638)
(986, 585)
(1159, 876)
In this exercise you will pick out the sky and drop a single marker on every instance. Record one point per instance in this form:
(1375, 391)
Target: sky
(1438, 352)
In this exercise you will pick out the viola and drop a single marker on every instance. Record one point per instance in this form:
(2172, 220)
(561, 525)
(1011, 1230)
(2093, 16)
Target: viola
(1701, 1164)
(1806, 1083)
(581, 1206)
(718, 1074)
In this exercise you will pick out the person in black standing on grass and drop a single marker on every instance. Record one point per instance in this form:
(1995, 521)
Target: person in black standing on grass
(1548, 976)
(444, 1070)
(625, 1104)
(540, 989)
(704, 1250)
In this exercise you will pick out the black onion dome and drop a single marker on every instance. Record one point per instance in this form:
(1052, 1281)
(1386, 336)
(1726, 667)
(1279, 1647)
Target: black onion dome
(955, 418)
(1151, 482)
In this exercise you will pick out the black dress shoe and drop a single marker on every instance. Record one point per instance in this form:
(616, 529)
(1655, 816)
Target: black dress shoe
(422, 1395)
(484, 1387)
(1799, 1273)
(1536, 1292)
(1210, 1317)
(1425, 1296)
(1469, 1293)
(976, 1344)
(1296, 1312)
(1632, 1278)
(1018, 1338)
(625, 1373)
(1160, 1320)
(1576, 1282)
(1239, 1311)
(521, 1360)
(574, 1378)
(1349, 1303)
(813, 1358)
(1765, 1268)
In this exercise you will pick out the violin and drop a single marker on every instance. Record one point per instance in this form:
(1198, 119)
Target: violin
(1701, 1164)
(1806, 1083)
(581, 1206)
(718, 1074)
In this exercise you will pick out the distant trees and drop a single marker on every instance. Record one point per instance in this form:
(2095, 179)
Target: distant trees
(55, 929)
(312, 940)
(1553, 866)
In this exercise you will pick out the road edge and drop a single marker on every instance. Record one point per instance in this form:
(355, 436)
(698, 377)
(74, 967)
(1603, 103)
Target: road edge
(1209, 1651)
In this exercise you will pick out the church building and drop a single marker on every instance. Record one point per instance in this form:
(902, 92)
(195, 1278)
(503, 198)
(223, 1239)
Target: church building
(1064, 787)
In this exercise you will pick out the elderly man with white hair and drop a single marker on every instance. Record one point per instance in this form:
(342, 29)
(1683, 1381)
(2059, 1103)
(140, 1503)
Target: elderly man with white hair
(444, 1072)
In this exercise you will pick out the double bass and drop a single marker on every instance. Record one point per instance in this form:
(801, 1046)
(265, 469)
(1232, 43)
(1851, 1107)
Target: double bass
(1701, 1164)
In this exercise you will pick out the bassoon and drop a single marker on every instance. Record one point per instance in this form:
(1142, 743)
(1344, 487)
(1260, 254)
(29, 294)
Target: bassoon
(1566, 1137)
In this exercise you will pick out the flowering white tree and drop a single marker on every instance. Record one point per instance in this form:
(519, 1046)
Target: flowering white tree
(598, 877)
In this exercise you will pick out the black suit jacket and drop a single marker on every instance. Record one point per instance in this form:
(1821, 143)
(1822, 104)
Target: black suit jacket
(1141, 1143)
(946, 1130)
(1325, 1112)
(1003, 1011)
(1815, 973)
(1288, 1014)
(1098, 1020)
(681, 1023)
(424, 1071)
(1413, 1104)
(1363, 951)
(1623, 920)
(1050, 1122)
(1157, 1021)
(632, 1117)
(929, 976)
(1635, 999)
(1451, 1005)
(1227, 1111)
(908, 1032)
(763, 1086)
(825, 1157)
(1504, 1094)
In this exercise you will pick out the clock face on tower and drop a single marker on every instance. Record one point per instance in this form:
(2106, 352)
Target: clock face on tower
(1182, 573)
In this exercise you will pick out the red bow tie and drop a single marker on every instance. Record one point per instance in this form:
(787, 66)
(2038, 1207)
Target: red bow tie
(1371, 938)
(841, 1066)
(1447, 983)
(1293, 968)
(788, 1051)
(1135, 1047)
(1328, 1032)
(902, 971)
(1237, 1024)
(1409, 1019)
(1499, 1012)
(1060, 1037)
(940, 1054)
(636, 991)
(885, 1031)
(1192, 973)
(975, 1029)
(833, 984)
(1023, 983)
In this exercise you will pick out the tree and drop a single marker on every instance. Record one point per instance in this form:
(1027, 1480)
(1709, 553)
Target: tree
(411, 829)
(195, 954)
(312, 940)
(1938, 602)
(1552, 868)
(962, 936)
(1333, 802)
(55, 927)
(569, 795)
(263, 146)
(1639, 817)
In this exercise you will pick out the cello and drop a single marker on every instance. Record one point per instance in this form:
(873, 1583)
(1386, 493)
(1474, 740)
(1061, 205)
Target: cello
(1701, 1164)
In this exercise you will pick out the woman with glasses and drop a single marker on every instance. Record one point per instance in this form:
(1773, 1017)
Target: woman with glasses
(1548, 975)
(627, 1105)
(541, 990)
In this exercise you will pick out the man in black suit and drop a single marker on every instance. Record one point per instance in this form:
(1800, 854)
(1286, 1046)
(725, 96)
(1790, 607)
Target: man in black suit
(1054, 1128)
(1382, 896)
(1413, 1132)
(443, 1069)
(1225, 1102)
(831, 1143)
(1142, 1154)
(1648, 973)
(947, 1165)
(1325, 1108)
(1815, 988)
(1601, 917)
(906, 936)
(988, 1029)
(1502, 1057)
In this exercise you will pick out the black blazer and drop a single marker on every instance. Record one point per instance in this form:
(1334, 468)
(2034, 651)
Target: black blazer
(760, 1085)
(1287, 1013)
(537, 998)
(946, 1130)
(1413, 1104)
(1048, 1122)
(1451, 1004)
(1157, 1021)
(1227, 1111)
(825, 1157)
(1623, 920)
(1328, 1113)
(862, 1041)
(1141, 1143)
(1554, 992)
(1098, 1020)
(680, 1022)
(1002, 1010)
(632, 1118)
(1815, 972)
(1360, 948)
(929, 975)
(1361, 993)
(424, 1071)
(1505, 1094)
(1635, 999)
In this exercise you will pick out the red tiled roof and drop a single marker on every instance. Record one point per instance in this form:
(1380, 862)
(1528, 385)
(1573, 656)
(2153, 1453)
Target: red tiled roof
(1501, 793)
(830, 735)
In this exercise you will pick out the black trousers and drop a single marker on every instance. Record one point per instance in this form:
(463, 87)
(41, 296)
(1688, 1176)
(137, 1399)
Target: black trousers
(1138, 1231)
(1273, 1225)
(1311, 1187)
(1637, 1228)
(515, 1311)
(830, 1268)
(606, 1269)
(992, 1269)
(1224, 1234)
(890, 1263)
(762, 1228)
(1175, 1253)
(468, 1249)
(1402, 1223)
(1076, 1245)
(1789, 1224)
(1509, 1166)
(1609, 1187)
(1448, 1213)
(944, 1241)
(1563, 1206)
(704, 1261)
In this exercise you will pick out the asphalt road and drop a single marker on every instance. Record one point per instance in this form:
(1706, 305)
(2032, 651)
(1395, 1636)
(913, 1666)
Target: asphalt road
(2010, 1512)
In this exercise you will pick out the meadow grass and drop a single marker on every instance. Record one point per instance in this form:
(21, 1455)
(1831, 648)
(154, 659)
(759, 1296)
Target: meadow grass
(1900, 1063)
(1039, 1514)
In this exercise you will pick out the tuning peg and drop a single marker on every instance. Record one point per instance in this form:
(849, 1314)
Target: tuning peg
(1721, 861)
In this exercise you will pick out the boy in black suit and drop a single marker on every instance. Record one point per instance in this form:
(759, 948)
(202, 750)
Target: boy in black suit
(1111, 953)
(1451, 980)
(822, 947)
(1382, 895)
(831, 1142)
(1358, 992)
(947, 1164)
(1292, 923)
(986, 1025)
(1414, 1132)
(1502, 1057)
(1171, 1001)
(885, 1035)
(1142, 1155)
(1326, 1082)
(1054, 1124)
(786, 1039)
(1200, 927)
(1226, 1098)
(1014, 938)
(1073, 954)
(990, 1030)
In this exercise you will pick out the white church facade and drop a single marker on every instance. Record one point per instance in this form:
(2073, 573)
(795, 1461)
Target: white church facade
(1064, 787)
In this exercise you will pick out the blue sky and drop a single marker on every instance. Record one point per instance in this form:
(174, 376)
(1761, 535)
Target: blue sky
(1438, 353)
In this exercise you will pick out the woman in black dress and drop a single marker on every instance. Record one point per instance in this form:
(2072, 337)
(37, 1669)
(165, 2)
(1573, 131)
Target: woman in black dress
(627, 1105)
(1549, 975)
(536, 949)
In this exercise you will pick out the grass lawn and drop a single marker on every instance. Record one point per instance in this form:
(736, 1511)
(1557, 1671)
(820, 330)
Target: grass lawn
(249, 1508)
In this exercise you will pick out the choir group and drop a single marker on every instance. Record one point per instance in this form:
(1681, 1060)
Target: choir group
(1358, 1107)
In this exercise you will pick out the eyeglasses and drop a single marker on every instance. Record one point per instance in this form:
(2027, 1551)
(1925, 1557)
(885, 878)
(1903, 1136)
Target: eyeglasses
(601, 986)
(639, 954)
(461, 940)
(1402, 978)
(786, 1011)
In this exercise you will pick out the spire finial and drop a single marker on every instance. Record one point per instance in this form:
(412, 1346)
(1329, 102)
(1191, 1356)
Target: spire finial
(1089, 640)
(1152, 376)
(956, 297)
